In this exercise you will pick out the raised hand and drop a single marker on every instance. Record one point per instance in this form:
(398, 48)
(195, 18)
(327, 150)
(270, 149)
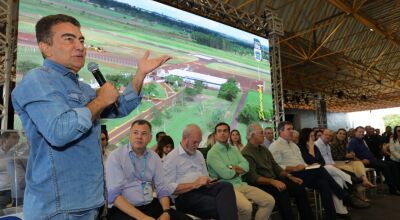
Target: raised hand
(147, 65)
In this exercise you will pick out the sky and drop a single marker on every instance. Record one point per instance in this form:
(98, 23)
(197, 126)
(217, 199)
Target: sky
(195, 19)
(372, 117)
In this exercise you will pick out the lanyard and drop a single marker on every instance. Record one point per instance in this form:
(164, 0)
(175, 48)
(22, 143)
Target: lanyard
(142, 171)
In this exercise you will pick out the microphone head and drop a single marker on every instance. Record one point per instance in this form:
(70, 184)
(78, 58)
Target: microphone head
(92, 66)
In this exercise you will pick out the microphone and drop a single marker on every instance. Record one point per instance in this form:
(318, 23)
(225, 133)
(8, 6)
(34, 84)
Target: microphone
(94, 69)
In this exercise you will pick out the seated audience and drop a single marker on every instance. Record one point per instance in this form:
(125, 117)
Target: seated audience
(374, 142)
(104, 143)
(317, 134)
(16, 161)
(210, 142)
(287, 154)
(350, 134)
(5, 184)
(227, 163)
(236, 140)
(267, 175)
(394, 146)
(311, 153)
(132, 173)
(189, 182)
(296, 137)
(339, 155)
(358, 150)
(159, 135)
(387, 134)
(269, 136)
(165, 146)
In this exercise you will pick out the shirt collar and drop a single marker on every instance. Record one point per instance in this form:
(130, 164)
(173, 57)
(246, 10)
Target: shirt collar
(254, 146)
(220, 145)
(59, 68)
(284, 140)
(130, 151)
(181, 151)
(319, 142)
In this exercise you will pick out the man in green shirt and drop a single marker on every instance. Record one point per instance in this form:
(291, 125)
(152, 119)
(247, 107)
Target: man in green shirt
(267, 175)
(227, 163)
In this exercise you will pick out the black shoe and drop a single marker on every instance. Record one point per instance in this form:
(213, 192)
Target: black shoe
(358, 204)
(344, 216)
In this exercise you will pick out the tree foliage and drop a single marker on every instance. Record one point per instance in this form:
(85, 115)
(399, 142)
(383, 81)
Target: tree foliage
(198, 86)
(216, 116)
(119, 80)
(250, 114)
(149, 90)
(157, 118)
(229, 90)
(175, 81)
(391, 120)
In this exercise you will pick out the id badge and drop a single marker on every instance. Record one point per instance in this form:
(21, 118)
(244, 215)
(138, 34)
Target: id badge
(147, 191)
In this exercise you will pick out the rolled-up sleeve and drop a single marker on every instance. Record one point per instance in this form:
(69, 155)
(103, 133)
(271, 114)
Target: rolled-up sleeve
(126, 103)
(84, 118)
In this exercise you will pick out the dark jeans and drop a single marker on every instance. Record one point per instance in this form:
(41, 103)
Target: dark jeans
(390, 172)
(282, 200)
(153, 209)
(216, 201)
(321, 180)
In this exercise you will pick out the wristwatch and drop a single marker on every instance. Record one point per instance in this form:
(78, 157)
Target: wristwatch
(166, 210)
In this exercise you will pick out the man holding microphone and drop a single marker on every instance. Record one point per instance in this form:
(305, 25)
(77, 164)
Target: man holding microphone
(60, 116)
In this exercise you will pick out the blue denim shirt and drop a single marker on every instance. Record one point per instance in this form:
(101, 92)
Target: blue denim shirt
(64, 171)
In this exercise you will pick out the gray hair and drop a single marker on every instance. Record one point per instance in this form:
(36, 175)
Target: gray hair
(250, 130)
(188, 130)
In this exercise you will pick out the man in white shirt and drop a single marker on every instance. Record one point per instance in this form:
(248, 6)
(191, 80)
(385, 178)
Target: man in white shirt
(287, 154)
(187, 175)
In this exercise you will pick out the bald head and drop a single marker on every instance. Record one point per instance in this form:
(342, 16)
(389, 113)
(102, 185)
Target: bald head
(191, 138)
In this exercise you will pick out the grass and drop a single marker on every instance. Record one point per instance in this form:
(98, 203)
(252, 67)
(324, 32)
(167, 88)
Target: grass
(252, 73)
(161, 92)
(254, 99)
